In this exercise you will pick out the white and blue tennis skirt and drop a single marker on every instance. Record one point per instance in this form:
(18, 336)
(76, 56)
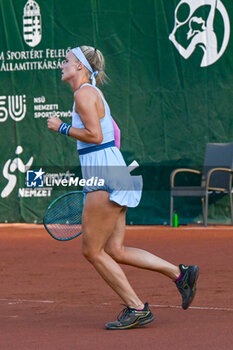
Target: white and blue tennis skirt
(104, 168)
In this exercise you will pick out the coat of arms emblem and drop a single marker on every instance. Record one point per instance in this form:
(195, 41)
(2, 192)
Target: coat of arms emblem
(32, 31)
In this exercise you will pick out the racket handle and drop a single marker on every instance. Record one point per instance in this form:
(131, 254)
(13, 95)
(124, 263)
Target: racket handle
(133, 165)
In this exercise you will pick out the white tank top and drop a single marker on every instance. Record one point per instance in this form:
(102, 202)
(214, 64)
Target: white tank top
(106, 123)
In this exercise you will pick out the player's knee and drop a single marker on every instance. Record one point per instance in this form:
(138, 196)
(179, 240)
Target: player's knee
(90, 253)
(116, 252)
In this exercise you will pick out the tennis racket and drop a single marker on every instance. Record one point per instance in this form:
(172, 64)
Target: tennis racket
(63, 217)
(191, 10)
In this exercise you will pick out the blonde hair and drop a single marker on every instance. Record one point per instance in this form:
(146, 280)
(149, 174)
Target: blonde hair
(97, 62)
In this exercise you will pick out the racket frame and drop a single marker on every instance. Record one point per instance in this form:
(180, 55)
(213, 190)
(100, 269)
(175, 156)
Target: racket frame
(45, 225)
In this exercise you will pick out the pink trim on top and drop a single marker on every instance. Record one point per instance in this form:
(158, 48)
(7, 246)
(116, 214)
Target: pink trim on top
(117, 134)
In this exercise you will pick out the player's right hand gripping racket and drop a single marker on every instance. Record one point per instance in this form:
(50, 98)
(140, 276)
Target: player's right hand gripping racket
(63, 217)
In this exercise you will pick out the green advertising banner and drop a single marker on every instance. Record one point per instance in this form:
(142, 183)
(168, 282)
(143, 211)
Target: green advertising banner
(170, 90)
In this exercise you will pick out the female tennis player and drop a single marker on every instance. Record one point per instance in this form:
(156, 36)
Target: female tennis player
(103, 219)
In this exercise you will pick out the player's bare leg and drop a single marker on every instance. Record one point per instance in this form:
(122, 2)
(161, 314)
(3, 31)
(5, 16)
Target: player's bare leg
(99, 219)
(185, 276)
(134, 256)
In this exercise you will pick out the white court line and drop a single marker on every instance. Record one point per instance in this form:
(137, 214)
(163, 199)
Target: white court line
(14, 301)
(181, 227)
(205, 228)
(194, 307)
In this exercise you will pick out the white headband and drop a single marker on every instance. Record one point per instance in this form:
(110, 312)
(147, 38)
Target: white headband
(81, 57)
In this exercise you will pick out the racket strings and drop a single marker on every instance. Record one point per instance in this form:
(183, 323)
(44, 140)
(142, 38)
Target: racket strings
(63, 218)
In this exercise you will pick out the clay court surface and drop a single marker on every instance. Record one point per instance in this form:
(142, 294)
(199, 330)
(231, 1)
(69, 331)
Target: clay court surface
(52, 299)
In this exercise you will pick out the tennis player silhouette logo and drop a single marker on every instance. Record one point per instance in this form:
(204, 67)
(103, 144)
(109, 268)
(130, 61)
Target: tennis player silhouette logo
(195, 20)
(32, 32)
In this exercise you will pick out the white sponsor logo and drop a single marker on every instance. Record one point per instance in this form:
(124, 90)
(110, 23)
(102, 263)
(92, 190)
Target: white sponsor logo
(32, 31)
(13, 61)
(32, 59)
(10, 168)
(38, 178)
(200, 32)
(42, 109)
(34, 192)
(71, 181)
(16, 107)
